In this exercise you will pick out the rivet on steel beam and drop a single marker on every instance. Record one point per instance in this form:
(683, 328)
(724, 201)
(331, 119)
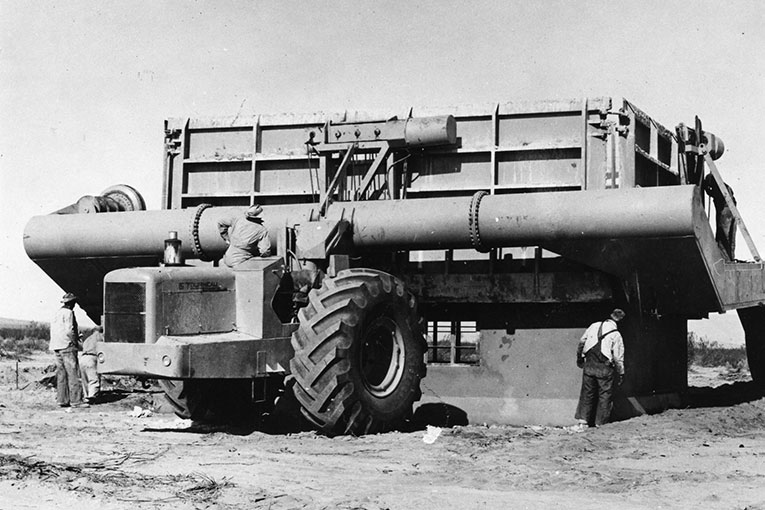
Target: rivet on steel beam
(377, 132)
(337, 134)
(357, 133)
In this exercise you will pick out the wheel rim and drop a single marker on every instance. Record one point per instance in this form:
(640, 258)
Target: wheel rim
(382, 357)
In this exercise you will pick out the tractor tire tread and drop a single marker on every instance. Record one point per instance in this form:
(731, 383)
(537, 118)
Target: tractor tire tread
(323, 381)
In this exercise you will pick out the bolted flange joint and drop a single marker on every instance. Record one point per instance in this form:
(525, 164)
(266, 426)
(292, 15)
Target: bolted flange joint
(475, 234)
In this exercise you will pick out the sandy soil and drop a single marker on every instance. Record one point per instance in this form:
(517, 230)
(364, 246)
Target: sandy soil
(710, 455)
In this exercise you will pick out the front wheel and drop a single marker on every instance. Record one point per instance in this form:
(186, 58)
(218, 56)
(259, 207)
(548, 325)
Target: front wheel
(189, 399)
(358, 354)
(216, 400)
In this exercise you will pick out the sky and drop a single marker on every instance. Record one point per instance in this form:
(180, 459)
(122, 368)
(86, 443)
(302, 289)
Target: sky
(85, 86)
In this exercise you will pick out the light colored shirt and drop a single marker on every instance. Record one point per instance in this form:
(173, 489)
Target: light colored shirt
(247, 239)
(63, 330)
(612, 345)
(89, 345)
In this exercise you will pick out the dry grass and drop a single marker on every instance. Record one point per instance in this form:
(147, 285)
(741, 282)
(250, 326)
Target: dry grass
(203, 488)
(195, 488)
(707, 353)
(23, 339)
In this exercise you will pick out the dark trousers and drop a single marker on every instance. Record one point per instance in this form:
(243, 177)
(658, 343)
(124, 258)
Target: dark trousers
(595, 397)
(68, 387)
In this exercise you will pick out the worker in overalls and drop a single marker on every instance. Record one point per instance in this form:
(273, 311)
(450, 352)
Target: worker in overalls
(600, 354)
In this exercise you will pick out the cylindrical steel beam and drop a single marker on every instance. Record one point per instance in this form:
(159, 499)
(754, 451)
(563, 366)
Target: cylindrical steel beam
(415, 132)
(522, 219)
(430, 131)
(386, 225)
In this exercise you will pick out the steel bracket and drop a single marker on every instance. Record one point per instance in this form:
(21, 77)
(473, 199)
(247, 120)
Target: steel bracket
(315, 240)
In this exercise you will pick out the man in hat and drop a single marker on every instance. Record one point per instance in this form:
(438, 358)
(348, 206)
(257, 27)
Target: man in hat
(600, 354)
(65, 342)
(245, 235)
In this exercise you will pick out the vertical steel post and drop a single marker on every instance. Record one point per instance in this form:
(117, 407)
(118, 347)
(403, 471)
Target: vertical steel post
(583, 152)
(453, 342)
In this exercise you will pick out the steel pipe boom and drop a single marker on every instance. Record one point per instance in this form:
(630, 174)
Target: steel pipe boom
(414, 224)
(522, 219)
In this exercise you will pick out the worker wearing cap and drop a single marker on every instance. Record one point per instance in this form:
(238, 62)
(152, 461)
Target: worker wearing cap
(245, 235)
(65, 342)
(600, 354)
(91, 381)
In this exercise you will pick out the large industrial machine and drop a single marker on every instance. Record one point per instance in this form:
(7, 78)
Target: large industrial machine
(475, 243)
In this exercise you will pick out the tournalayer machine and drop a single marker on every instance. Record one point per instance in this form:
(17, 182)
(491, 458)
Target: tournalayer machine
(477, 242)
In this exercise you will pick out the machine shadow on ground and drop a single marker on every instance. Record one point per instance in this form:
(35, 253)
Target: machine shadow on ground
(287, 419)
(724, 396)
(111, 396)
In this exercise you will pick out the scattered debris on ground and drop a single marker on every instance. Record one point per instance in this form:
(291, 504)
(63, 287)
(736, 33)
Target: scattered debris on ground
(127, 451)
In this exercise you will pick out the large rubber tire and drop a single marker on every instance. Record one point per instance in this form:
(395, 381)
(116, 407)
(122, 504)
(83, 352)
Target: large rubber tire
(211, 400)
(189, 399)
(358, 354)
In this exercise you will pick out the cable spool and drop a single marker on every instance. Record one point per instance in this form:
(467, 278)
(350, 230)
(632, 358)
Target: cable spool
(126, 196)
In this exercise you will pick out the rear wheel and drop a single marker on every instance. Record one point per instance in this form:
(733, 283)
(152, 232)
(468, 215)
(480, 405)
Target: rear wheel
(358, 354)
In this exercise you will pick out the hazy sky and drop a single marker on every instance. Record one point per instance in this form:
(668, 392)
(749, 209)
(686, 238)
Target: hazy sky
(85, 86)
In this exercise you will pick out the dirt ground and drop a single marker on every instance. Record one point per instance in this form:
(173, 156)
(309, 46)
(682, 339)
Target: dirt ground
(114, 456)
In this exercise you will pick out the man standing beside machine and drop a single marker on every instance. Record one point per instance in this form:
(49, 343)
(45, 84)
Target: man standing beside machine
(91, 381)
(600, 354)
(65, 342)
